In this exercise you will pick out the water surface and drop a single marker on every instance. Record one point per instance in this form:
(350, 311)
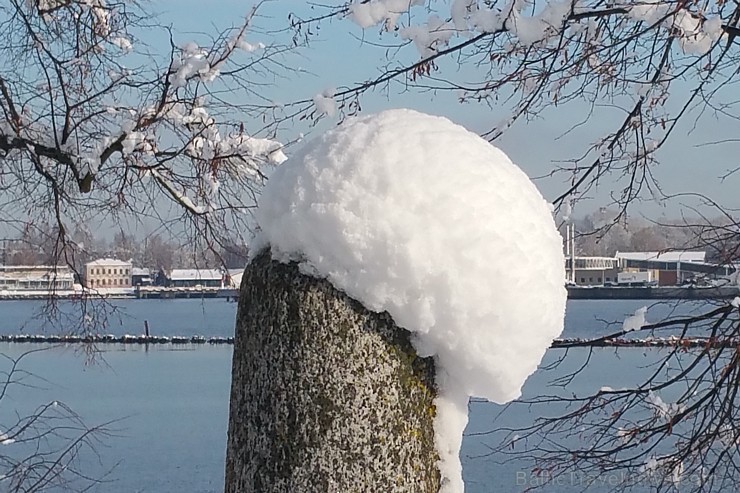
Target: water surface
(170, 406)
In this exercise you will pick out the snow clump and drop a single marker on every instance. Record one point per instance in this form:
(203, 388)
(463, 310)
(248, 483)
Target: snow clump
(414, 215)
(324, 102)
(368, 14)
(635, 321)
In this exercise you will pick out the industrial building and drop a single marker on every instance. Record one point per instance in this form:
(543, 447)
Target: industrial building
(592, 271)
(673, 268)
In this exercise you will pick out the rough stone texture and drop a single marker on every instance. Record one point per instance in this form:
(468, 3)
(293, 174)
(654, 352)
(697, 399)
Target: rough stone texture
(326, 396)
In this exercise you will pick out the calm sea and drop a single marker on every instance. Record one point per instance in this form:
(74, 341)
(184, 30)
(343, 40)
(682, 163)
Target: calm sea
(170, 406)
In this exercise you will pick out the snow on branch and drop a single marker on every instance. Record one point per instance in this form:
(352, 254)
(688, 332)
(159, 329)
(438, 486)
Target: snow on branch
(530, 56)
(92, 120)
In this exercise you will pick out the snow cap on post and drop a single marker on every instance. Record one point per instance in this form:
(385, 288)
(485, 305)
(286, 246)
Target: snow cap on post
(414, 215)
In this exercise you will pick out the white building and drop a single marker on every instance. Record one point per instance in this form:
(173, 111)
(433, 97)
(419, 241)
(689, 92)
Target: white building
(36, 278)
(591, 271)
(181, 278)
(669, 268)
(108, 273)
(668, 257)
(235, 277)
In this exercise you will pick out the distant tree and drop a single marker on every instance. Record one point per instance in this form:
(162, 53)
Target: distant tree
(647, 240)
(158, 253)
(234, 255)
(124, 246)
(84, 246)
(35, 245)
(600, 234)
(21, 251)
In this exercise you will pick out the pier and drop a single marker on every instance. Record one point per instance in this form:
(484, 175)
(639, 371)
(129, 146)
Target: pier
(158, 292)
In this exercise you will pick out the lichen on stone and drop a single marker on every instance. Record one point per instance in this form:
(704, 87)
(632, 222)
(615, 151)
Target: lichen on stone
(327, 396)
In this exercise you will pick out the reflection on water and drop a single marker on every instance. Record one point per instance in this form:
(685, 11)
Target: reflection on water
(210, 317)
(173, 407)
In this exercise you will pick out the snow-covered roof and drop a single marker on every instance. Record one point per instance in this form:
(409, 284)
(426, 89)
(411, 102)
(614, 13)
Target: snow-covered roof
(236, 279)
(195, 274)
(138, 271)
(674, 256)
(109, 261)
(46, 268)
(34, 274)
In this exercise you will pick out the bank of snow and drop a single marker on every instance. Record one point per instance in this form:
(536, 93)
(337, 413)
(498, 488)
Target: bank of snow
(412, 214)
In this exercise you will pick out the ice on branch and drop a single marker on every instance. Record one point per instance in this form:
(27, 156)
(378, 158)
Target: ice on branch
(131, 141)
(661, 408)
(6, 440)
(530, 24)
(549, 22)
(635, 321)
(429, 37)
(193, 61)
(238, 153)
(100, 13)
(325, 104)
(459, 12)
(179, 195)
(696, 33)
(487, 20)
(648, 11)
(664, 468)
(414, 215)
(123, 43)
(249, 47)
(374, 12)
(238, 42)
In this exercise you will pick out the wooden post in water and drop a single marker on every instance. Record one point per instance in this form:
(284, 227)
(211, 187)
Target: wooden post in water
(326, 396)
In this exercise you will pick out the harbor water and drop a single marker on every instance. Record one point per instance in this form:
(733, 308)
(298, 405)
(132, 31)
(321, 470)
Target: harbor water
(167, 407)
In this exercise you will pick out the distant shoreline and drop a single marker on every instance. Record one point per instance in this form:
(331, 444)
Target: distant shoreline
(143, 293)
(651, 293)
(232, 294)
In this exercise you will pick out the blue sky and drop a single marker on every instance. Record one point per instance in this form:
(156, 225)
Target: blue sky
(338, 57)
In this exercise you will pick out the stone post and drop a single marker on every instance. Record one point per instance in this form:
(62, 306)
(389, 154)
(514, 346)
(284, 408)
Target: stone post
(326, 396)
